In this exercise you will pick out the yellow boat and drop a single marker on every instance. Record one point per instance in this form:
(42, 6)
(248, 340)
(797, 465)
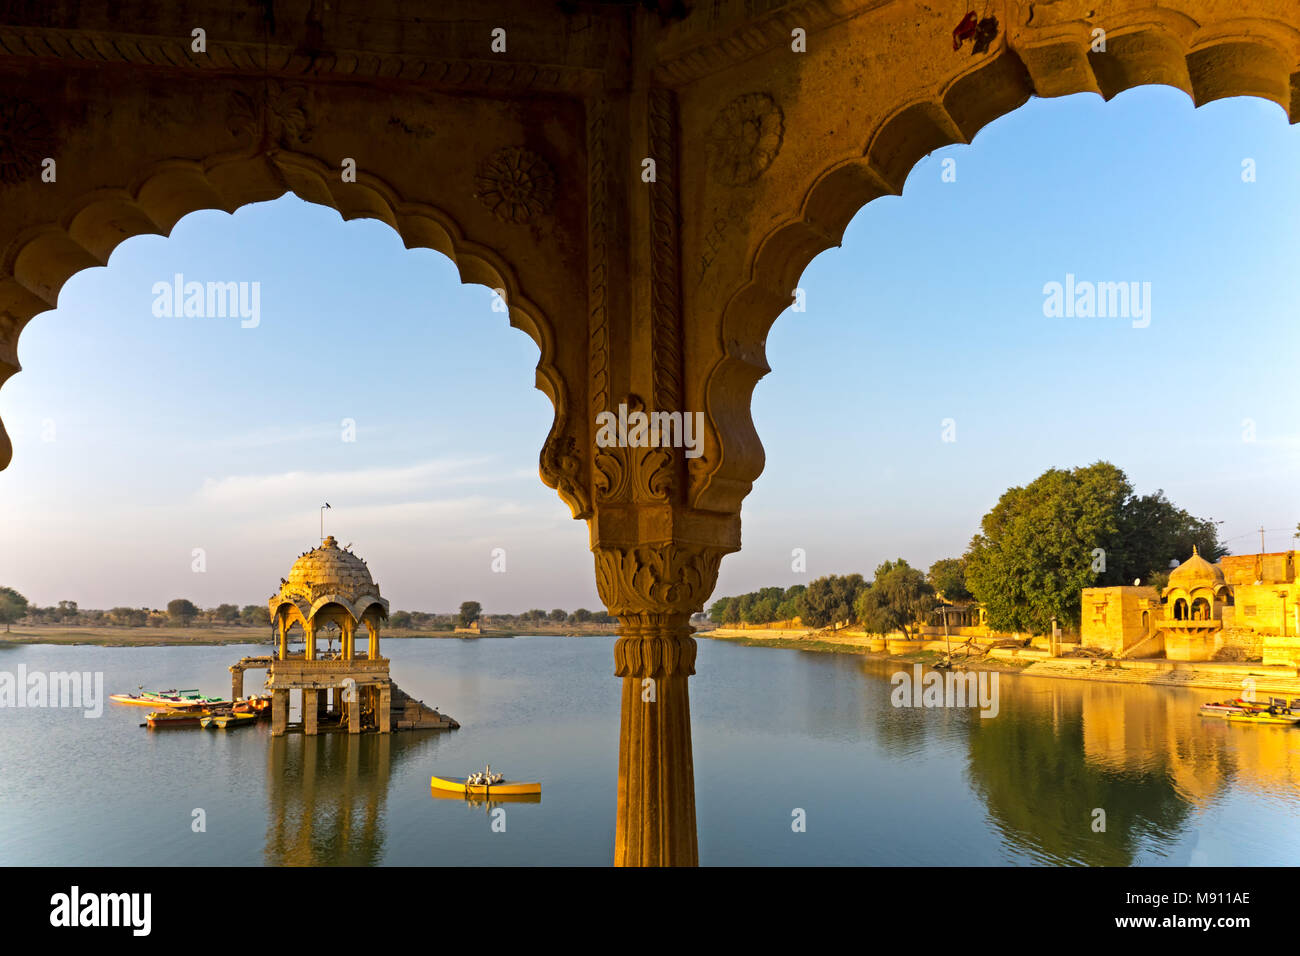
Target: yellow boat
(505, 788)
(1263, 717)
(227, 721)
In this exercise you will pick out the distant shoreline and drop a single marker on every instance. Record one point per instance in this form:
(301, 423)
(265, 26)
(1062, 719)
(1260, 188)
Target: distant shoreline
(215, 636)
(1207, 675)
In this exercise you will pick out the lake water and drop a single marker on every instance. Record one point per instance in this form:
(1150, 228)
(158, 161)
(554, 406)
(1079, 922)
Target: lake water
(775, 731)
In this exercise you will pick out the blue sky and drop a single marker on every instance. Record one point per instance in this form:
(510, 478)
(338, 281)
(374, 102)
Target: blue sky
(139, 439)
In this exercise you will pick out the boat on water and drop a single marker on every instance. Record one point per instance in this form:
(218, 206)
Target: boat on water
(227, 721)
(158, 719)
(1266, 717)
(168, 699)
(1276, 712)
(485, 782)
(1226, 708)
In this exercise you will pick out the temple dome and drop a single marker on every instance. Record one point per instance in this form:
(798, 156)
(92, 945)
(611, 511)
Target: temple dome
(1195, 573)
(331, 569)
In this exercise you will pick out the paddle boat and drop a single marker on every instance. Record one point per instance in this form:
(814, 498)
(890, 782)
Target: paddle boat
(168, 699)
(485, 782)
(226, 721)
(175, 718)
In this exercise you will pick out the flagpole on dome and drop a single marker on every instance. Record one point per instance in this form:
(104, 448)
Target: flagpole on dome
(322, 521)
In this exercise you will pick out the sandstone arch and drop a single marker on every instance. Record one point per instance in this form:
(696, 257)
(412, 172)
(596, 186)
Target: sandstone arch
(1247, 56)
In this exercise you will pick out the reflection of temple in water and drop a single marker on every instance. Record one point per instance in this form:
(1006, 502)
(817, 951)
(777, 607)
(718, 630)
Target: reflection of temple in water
(327, 794)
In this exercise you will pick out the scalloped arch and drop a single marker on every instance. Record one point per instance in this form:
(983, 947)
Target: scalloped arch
(35, 266)
(1238, 57)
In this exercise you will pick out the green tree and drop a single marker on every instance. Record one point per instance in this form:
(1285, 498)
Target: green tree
(830, 599)
(226, 613)
(761, 611)
(129, 616)
(559, 615)
(182, 612)
(470, 612)
(718, 610)
(948, 578)
(400, 620)
(582, 615)
(255, 615)
(13, 607)
(1067, 530)
(1153, 532)
(898, 597)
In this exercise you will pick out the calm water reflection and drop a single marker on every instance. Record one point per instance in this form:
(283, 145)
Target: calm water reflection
(775, 730)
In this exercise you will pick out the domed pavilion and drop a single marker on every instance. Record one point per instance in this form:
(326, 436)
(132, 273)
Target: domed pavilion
(1197, 591)
(328, 586)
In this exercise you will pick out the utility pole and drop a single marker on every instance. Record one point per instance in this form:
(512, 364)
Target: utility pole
(1261, 539)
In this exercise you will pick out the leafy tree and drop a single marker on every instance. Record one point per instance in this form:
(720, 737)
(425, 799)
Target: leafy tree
(226, 613)
(948, 578)
(830, 599)
(255, 615)
(718, 610)
(1152, 533)
(470, 611)
(180, 611)
(559, 615)
(582, 615)
(898, 596)
(13, 606)
(129, 616)
(400, 620)
(1067, 530)
(762, 610)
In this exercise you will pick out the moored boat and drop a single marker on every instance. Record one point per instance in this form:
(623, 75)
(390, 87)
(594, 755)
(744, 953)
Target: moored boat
(1283, 718)
(228, 721)
(171, 699)
(1229, 708)
(175, 718)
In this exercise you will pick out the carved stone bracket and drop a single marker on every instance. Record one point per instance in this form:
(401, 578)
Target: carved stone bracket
(666, 579)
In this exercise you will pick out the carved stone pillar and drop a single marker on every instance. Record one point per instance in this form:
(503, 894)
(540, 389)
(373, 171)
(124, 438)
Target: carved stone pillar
(653, 589)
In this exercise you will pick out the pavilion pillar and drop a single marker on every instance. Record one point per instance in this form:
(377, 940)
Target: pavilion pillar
(652, 590)
(655, 657)
(373, 630)
(309, 633)
(349, 636)
(236, 682)
(279, 712)
(354, 710)
(310, 699)
(282, 649)
(383, 710)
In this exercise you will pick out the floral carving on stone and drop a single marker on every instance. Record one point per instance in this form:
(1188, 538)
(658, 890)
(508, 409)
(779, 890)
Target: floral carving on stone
(286, 116)
(26, 138)
(516, 184)
(745, 138)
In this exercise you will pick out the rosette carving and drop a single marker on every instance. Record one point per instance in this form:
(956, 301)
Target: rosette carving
(744, 138)
(516, 184)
